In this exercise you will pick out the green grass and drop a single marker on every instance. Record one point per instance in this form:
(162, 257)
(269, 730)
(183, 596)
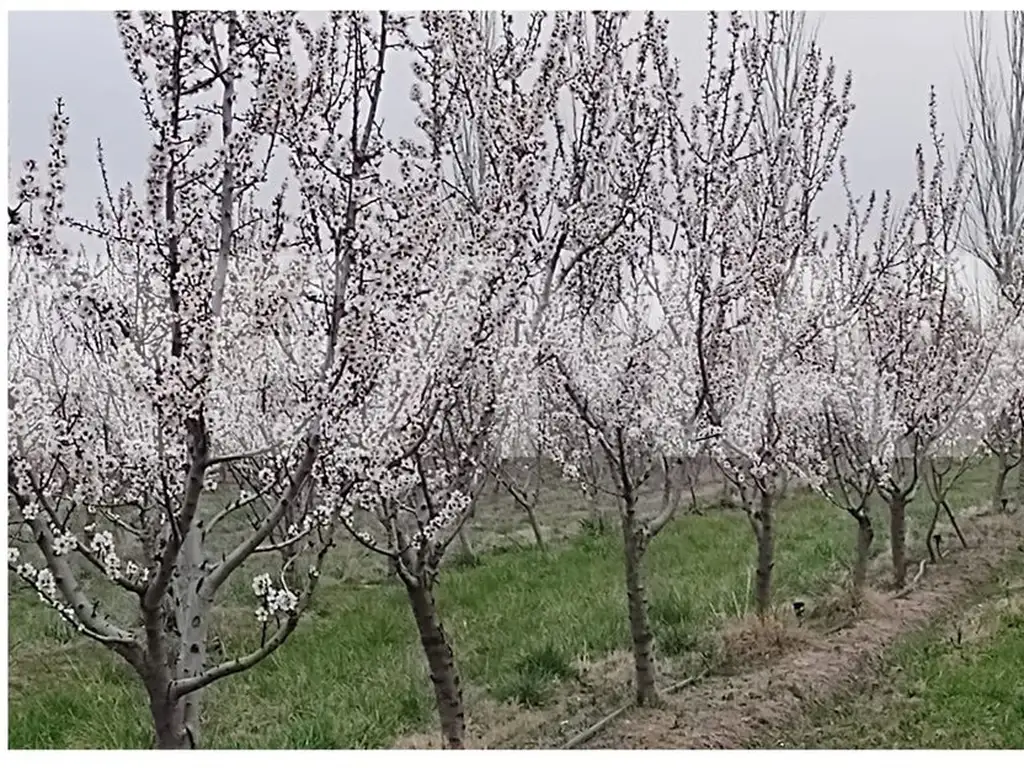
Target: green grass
(353, 675)
(942, 689)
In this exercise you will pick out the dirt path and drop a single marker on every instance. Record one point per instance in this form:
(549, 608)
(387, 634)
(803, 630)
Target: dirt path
(730, 712)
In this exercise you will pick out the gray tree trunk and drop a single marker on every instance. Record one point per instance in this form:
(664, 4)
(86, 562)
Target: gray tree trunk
(533, 490)
(1020, 487)
(865, 536)
(765, 553)
(639, 621)
(168, 721)
(999, 490)
(441, 661)
(465, 545)
(191, 612)
(898, 540)
(538, 537)
(168, 712)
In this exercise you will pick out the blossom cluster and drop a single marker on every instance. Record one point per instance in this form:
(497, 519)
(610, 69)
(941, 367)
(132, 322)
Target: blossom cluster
(274, 601)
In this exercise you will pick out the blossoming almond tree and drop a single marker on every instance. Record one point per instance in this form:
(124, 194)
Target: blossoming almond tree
(218, 336)
(854, 430)
(377, 280)
(417, 464)
(745, 183)
(1004, 437)
(612, 379)
(914, 320)
(976, 350)
(850, 435)
(603, 364)
(134, 380)
(992, 118)
(425, 437)
(553, 98)
(403, 462)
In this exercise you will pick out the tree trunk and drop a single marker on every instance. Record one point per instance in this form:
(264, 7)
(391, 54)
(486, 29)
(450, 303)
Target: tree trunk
(1020, 462)
(1020, 486)
(865, 535)
(597, 511)
(168, 715)
(531, 515)
(191, 611)
(898, 540)
(931, 542)
(536, 483)
(999, 491)
(598, 514)
(441, 661)
(956, 526)
(783, 491)
(765, 554)
(466, 546)
(639, 622)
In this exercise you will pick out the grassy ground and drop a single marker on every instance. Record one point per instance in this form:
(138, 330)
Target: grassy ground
(956, 685)
(353, 675)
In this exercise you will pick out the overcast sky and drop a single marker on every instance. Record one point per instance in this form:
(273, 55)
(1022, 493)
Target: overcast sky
(895, 57)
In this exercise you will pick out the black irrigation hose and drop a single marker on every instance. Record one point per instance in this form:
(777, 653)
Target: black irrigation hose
(910, 587)
(593, 730)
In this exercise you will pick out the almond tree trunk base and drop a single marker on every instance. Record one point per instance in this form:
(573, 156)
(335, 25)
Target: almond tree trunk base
(441, 662)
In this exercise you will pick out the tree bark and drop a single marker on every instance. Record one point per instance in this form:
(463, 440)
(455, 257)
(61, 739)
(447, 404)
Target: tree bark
(441, 661)
(168, 714)
(191, 610)
(898, 540)
(534, 485)
(956, 526)
(598, 514)
(466, 546)
(527, 499)
(865, 536)
(999, 491)
(639, 622)
(155, 665)
(783, 491)
(531, 515)
(1020, 486)
(933, 546)
(765, 553)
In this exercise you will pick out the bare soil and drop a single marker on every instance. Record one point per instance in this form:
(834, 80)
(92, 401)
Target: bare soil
(731, 712)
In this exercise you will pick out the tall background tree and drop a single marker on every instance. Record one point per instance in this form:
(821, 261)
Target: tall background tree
(992, 113)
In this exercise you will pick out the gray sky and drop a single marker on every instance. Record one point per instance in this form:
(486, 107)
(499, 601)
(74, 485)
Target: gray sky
(895, 57)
